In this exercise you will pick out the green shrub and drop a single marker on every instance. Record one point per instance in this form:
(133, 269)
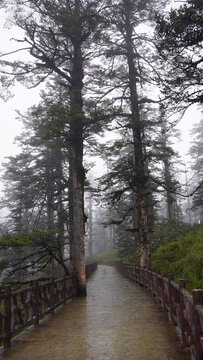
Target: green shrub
(183, 258)
(132, 259)
(106, 256)
(167, 231)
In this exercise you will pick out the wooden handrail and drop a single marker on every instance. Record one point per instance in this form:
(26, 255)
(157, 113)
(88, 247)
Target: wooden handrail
(24, 307)
(185, 309)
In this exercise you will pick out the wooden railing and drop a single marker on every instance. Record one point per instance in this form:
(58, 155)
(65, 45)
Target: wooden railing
(185, 309)
(21, 308)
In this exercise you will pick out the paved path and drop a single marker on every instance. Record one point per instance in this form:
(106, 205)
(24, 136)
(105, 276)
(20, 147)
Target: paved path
(118, 320)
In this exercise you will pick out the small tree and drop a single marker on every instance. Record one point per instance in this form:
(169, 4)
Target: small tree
(31, 255)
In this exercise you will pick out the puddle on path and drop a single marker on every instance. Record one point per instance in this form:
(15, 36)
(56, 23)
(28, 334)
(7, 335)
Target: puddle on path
(118, 320)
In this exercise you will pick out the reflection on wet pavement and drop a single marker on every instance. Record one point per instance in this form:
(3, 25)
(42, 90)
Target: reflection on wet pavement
(118, 320)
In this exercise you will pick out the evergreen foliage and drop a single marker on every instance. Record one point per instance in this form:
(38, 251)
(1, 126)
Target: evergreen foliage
(183, 258)
(35, 177)
(179, 42)
(32, 253)
(166, 231)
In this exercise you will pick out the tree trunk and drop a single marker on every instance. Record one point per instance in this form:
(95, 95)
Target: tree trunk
(50, 190)
(77, 173)
(169, 197)
(167, 174)
(90, 241)
(60, 208)
(137, 129)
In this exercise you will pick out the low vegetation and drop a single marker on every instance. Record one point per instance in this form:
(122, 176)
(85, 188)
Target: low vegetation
(178, 249)
(183, 258)
(105, 256)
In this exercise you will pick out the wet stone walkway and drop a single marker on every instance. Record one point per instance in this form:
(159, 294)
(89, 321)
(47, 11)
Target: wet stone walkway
(118, 320)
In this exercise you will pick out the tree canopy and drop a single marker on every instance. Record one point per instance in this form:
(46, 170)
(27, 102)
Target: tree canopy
(107, 73)
(179, 37)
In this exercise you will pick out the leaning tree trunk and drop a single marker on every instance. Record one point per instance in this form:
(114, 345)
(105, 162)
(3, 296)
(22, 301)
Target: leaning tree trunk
(141, 179)
(76, 170)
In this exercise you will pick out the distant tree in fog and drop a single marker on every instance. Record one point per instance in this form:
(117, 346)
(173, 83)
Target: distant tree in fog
(196, 152)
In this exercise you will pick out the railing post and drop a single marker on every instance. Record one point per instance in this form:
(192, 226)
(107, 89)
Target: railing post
(52, 297)
(163, 274)
(65, 292)
(170, 290)
(170, 277)
(157, 286)
(36, 301)
(182, 285)
(197, 296)
(7, 310)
